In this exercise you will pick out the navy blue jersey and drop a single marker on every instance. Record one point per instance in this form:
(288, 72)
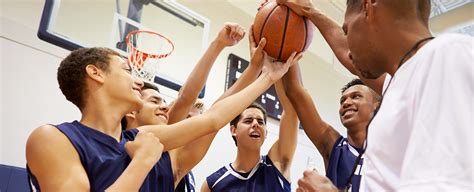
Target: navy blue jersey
(187, 183)
(341, 163)
(263, 177)
(104, 159)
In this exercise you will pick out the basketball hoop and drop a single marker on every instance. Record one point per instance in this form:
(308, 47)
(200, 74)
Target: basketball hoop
(145, 49)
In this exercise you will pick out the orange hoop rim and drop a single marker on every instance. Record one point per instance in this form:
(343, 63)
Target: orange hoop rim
(133, 49)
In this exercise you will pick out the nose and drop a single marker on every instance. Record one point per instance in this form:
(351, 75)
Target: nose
(347, 102)
(349, 54)
(164, 107)
(255, 123)
(138, 82)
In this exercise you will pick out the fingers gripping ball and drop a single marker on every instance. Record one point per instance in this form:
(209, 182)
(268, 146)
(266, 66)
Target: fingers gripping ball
(284, 30)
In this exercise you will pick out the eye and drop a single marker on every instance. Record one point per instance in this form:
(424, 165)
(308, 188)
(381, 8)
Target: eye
(260, 122)
(342, 100)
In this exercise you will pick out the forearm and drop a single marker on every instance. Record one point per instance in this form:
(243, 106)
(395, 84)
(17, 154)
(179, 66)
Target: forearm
(334, 36)
(194, 83)
(178, 134)
(133, 176)
(249, 75)
(226, 109)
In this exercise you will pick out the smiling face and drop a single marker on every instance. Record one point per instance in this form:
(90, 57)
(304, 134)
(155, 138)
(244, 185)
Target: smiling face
(250, 130)
(357, 106)
(154, 110)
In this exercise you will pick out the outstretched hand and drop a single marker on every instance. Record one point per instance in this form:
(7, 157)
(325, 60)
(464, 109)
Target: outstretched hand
(256, 51)
(230, 34)
(300, 7)
(276, 69)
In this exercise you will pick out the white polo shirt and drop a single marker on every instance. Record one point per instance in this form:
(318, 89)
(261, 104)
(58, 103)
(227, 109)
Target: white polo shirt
(421, 138)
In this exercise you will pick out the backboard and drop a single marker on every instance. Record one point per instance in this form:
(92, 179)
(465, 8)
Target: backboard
(268, 100)
(72, 24)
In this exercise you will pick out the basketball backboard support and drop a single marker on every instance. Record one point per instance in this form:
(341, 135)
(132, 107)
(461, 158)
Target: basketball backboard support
(73, 24)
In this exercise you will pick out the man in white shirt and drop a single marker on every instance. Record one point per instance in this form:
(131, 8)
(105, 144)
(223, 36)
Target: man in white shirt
(420, 139)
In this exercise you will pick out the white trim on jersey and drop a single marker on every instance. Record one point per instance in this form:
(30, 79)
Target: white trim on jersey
(352, 149)
(220, 178)
(234, 173)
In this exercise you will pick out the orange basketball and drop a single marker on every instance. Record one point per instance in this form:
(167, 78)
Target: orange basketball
(285, 31)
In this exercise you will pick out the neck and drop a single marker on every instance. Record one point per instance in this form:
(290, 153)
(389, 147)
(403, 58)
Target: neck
(356, 138)
(407, 35)
(104, 115)
(246, 160)
(131, 124)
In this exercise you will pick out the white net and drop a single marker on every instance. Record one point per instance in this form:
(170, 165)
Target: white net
(145, 49)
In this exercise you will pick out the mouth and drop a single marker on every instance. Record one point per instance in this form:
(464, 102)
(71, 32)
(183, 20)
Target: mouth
(164, 116)
(348, 113)
(255, 135)
(137, 90)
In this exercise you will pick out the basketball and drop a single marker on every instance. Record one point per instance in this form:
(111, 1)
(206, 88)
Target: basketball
(285, 31)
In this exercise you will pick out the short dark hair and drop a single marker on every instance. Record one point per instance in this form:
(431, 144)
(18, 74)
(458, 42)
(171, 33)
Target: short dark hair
(72, 71)
(353, 4)
(359, 82)
(237, 119)
(147, 85)
(352, 83)
(423, 7)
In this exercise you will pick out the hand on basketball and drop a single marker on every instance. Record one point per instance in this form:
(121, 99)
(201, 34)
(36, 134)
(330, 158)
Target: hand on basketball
(230, 35)
(146, 147)
(256, 51)
(276, 69)
(300, 7)
(312, 181)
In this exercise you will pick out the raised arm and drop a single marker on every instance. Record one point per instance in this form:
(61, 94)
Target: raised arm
(188, 156)
(229, 35)
(283, 150)
(58, 166)
(334, 36)
(179, 134)
(319, 132)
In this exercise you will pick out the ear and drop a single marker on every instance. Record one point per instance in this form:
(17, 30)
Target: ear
(368, 7)
(233, 130)
(131, 115)
(95, 73)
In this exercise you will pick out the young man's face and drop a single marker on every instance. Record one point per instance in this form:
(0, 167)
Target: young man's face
(250, 130)
(154, 110)
(357, 106)
(121, 85)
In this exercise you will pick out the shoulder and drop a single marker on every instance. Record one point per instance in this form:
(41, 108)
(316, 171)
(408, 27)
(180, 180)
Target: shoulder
(131, 134)
(216, 175)
(451, 39)
(58, 146)
(46, 134)
(447, 48)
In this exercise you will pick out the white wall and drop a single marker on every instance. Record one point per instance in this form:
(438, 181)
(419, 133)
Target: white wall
(30, 96)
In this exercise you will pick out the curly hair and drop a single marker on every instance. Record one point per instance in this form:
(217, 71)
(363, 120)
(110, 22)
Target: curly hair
(237, 119)
(72, 71)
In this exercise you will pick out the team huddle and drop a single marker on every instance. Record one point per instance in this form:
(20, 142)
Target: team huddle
(408, 124)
